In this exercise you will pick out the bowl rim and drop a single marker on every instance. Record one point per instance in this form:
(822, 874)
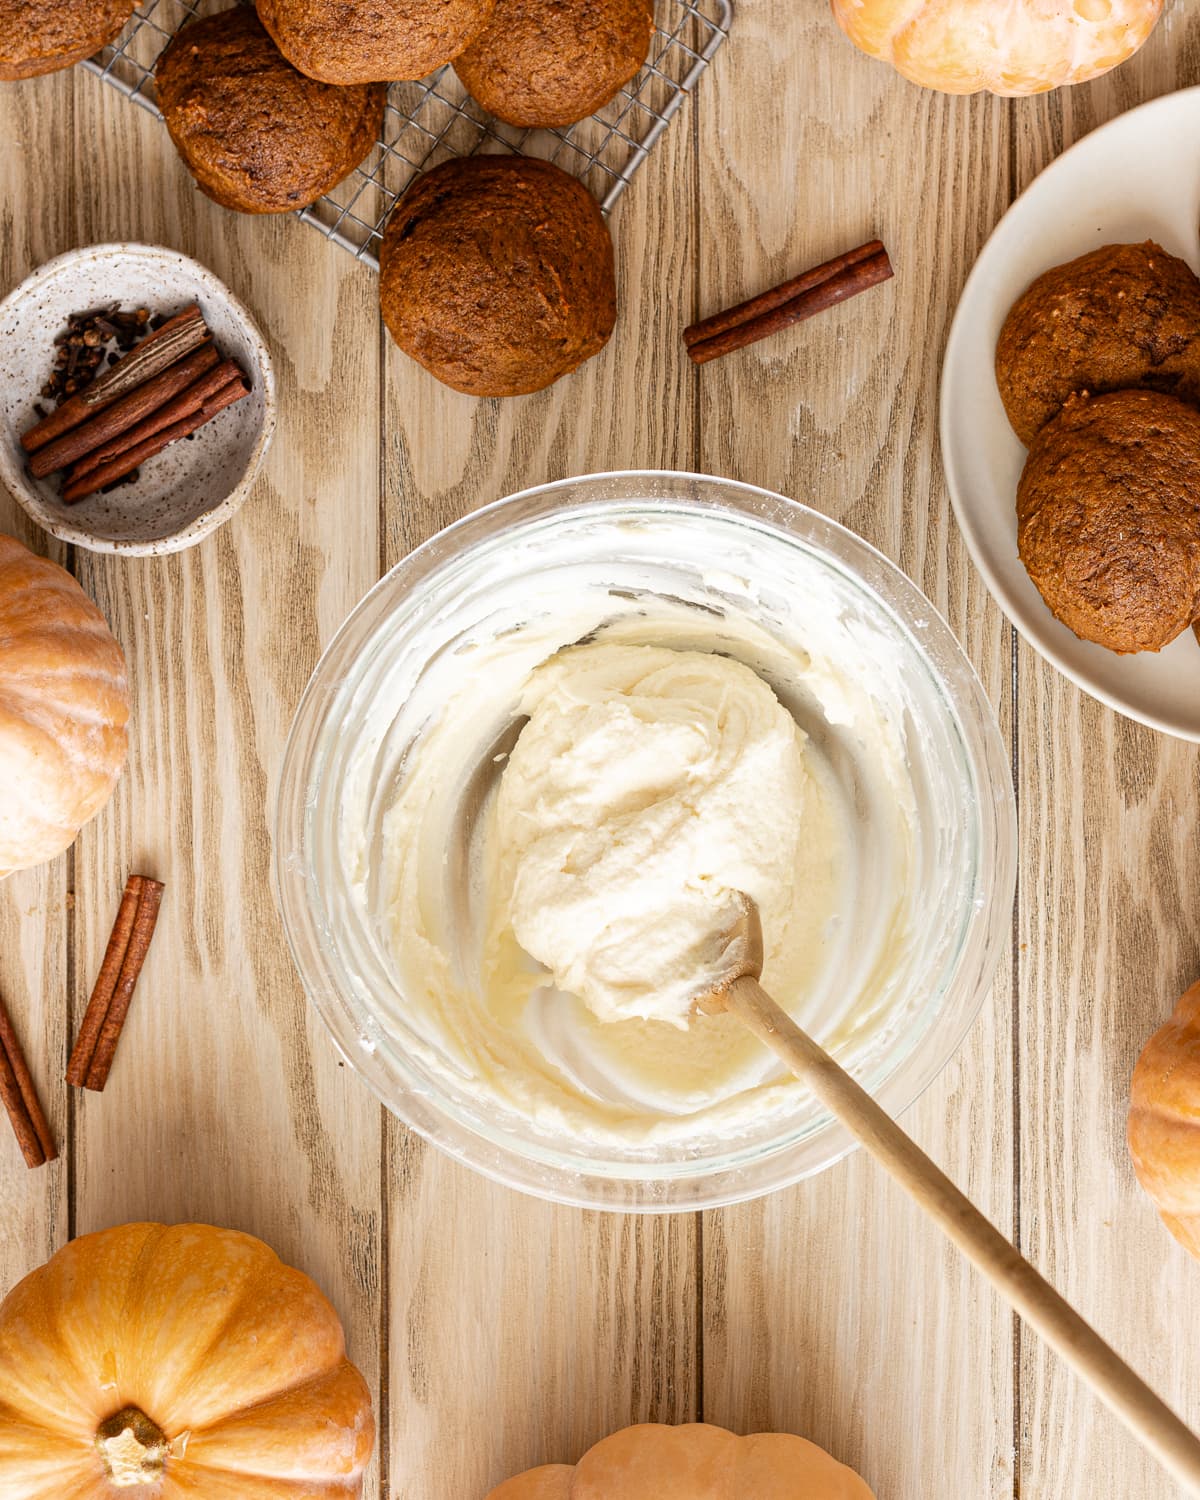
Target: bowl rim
(1036, 626)
(208, 521)
(587, 1185)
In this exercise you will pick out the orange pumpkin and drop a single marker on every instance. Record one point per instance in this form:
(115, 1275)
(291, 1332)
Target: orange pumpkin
(176, 1362)
(1164, 1121)
(1006, 46)
(693, 1462)
(64, 704)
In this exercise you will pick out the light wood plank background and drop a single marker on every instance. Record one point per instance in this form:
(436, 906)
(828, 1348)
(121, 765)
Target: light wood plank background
(499, 1332)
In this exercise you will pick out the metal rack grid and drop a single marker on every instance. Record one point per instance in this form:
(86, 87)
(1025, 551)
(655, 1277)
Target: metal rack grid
(428, 122)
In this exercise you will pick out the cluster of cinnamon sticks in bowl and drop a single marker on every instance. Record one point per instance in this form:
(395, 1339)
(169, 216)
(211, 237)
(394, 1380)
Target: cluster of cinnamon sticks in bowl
(164, 389)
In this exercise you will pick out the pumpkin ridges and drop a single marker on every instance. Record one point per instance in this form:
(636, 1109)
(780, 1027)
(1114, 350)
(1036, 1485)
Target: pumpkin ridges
(780, 1466)
(77, 692)
(51, 827)
(282, 1426)
(28, 611)
(91, 1332)
(37, 1340)
(105, 675)
(1186, 1230)
(871, 25)
(31, 1458)
(184, 1391)
(311, 1334)
(1163, 1128)
(1166, 1077)
(52, 623)
(64, 708)
(80, 1486)
(670, 1463)
(918, 50)
(187, 1483)
(51, 668)
(1011, 47)
(549, 1482)
(694, 1461)
(68, 800)
(1166, 1159)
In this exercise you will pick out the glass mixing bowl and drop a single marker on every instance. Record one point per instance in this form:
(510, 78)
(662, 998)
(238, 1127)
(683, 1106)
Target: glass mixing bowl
(710, 549)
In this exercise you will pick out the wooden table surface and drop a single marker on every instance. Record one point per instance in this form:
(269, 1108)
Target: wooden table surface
(497, 1331)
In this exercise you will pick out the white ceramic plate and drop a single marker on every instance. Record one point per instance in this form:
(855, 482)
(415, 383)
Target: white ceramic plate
(190, 488)
(1136, 178)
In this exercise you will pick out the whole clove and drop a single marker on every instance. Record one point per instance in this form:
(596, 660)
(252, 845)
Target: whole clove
(91, 341)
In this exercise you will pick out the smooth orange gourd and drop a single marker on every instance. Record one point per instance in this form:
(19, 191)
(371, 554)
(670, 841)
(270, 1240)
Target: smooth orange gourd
(1164, 1121)
(692, 1462)
(152, 1361)
(1006, 46)
(64, 705)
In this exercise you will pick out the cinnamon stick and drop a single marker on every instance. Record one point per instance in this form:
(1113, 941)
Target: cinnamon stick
(21, 1100)
(18, 1114)
(106, 983)
(122, 414)
(802, 297)
(126, 462)
(157, 351)
(140, 934)
(191, 399)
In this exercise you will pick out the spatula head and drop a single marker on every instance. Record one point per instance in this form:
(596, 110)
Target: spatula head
(740, 947)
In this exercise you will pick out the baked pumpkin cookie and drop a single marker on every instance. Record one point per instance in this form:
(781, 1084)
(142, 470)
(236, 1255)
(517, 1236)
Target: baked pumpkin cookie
(372, 41)
(257, 135)
(552, 62)
(496, 274)
(1108, 518)
(41, 36)
(1120, 316)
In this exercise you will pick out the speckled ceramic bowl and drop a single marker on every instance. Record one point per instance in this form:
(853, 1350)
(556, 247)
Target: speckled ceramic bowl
(190, 488)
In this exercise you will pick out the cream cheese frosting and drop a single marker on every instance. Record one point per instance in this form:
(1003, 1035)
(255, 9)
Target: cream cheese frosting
(774, 709)
(482, 1011)
(648, 788)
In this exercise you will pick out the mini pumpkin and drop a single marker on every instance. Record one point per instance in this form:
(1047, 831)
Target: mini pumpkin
(1164, 1121)
(174, 1362)
(693, 1462)
(1005, 46)
(64, 705)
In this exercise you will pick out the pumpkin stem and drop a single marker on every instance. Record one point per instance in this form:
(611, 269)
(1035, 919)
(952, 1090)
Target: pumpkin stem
(132, 1449)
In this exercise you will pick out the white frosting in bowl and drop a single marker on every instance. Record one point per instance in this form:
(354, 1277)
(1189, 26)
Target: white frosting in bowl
(888, 888)
(837, 889)
(647, 790)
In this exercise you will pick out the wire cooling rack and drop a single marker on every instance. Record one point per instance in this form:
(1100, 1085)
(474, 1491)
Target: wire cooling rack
(428, 122)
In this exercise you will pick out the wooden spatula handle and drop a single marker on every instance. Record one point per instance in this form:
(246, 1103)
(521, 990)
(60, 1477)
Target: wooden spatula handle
(1148, 1417)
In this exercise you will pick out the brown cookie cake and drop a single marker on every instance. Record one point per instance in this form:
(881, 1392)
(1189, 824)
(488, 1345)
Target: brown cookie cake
(497, 274)
(1120, 316)
(372, 41)
(552, 62)
(257, 135)
(1108, 518)
(41, 36)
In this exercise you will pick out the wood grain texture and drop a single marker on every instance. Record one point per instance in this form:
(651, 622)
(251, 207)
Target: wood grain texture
(1109, 873)
(226, 1102)
(834, 1309)
(521, 1333)
(497, 1331)
(35, 916)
